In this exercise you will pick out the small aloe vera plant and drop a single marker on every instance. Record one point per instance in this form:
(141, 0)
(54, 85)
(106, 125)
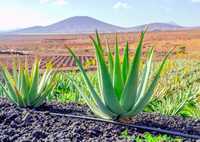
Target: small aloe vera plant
(124, 92)
(27, 88)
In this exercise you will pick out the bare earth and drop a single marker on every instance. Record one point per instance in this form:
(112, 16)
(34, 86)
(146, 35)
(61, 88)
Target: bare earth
(53, 47)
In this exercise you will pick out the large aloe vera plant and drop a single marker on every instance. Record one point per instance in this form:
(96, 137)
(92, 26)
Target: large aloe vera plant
(124, 92)
(27, 88)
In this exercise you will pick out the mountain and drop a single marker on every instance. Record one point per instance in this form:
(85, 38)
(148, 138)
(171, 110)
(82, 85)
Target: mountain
(85, 24)
(78, 24)
(157, 27)
(35, 29)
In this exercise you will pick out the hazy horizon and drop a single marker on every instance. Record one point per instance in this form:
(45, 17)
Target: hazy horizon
(125, 13)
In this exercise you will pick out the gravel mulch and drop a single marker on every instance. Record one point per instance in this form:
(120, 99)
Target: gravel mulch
(17, 125)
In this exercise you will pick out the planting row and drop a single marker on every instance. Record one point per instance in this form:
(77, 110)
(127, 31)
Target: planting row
(57, 62)
(66, 61)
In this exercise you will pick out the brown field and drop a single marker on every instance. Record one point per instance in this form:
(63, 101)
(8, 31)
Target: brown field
(52, 47)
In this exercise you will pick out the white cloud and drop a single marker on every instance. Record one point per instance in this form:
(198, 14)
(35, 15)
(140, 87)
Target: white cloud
(196, 1)
(121, 5)
(57, 2)
(44, 1)
(61, 2)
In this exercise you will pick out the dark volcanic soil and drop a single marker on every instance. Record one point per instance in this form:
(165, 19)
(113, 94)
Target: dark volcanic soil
(26, 125)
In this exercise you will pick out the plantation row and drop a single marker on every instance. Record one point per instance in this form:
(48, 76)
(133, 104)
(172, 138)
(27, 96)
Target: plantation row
(57, 62)
(63, 61)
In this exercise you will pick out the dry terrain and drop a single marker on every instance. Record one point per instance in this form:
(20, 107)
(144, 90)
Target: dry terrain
(52, 47)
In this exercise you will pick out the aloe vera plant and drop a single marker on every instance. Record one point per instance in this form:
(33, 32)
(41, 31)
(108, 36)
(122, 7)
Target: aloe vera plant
(124, 92)
(27, 89)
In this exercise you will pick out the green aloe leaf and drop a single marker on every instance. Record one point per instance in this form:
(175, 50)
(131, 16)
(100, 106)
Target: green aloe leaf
(93, 93)
(130, 90)
(34, 82)
(108, 91)
(98, 67)
(12, 93)
(110, 61)
(141, 103)
(26, 82)
(117, 76)
(43, 82)
(22, 87)
(10, 83)
(14, 70)
(122, 92)
(145, 75)
(99, 42)
(43, 95)
(125, 65)
(98, 110)
(8, 94)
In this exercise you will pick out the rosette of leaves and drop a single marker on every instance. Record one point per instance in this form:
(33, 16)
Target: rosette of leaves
(27, 88)
(124, 91)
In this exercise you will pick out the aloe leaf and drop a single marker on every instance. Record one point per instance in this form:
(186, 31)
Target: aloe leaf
(99, 111)
(22, 88)
(10, 83)
(43, 80)
(8, 94)
(46, 88)
(26, 74)
(108, 90)
(22, 85)
(13, 92)
(117, 76)
(93, 93)
(14, 70)
(34, 82)
(26, 83)
(18, 81)
(130, 90)
(21, 80)
(41, 97)
(25, 88)
(27, 79)
(20, 100)
(110, 61)
(145, 75)
(98, 69)
(99, 42)
(141, 103)
(125, 65)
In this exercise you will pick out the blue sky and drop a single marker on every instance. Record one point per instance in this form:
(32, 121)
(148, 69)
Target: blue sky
(24, 13)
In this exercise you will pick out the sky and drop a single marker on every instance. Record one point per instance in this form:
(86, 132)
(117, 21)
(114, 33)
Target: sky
(16, 14)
